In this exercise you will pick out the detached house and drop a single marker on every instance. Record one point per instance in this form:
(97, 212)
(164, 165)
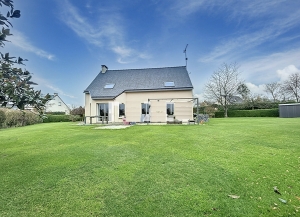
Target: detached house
(56, 104)
(140, 95)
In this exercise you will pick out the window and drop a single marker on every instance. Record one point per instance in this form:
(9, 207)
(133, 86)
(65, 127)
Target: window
(169, 84)
(145, 108)
(121, 109)
(170, 109)
(59, 103)
(109, 86)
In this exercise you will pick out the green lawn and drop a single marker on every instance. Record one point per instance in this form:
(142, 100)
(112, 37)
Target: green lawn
(61, 169)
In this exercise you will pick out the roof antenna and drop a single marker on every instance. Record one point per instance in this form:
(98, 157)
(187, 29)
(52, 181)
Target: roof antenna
(186, 59)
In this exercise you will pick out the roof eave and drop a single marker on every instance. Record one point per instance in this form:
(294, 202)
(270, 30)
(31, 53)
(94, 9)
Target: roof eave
(159, 89)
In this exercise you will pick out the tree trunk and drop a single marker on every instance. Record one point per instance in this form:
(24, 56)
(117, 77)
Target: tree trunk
(225, 112)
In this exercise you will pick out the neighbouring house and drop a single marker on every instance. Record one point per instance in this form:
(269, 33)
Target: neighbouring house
(56, 104)
(140, 95)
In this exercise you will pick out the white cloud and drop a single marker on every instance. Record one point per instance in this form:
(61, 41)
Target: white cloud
(254, 8)
(256, 89)
(123, 51)
(187, 7)
(19, 40)
(239, 44)
(47, 87)
(284, 74)
(200, 96)
(59, 91)
(235, 9)
(255, 33)
(127, 55)
(108, 32)
(264, 69)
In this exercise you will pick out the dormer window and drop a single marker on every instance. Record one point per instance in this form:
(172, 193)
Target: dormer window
(109, 86)
(169, 84)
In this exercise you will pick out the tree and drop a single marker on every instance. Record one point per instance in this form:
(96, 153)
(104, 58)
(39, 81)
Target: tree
(223, 85)
(253, 101)
(15, 83)
(273, 89)
(78, 111)
(244, 91)
(292, 86)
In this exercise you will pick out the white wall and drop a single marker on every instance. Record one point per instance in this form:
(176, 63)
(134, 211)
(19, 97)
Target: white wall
(57, 105)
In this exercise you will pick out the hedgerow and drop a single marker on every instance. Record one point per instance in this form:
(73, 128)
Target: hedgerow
(249, 113)
(61, 118)
(18, 118)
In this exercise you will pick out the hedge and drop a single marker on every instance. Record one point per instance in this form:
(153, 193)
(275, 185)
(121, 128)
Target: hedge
(17, 118)
(55, 113)
(61, 118)
(249, 113)
(2, 117)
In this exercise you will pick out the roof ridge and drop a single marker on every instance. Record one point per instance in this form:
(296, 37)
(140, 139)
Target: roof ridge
(146, 68)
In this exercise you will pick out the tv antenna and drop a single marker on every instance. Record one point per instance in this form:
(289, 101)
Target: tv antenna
(186, 59)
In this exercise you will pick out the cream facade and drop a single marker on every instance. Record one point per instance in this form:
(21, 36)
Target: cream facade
(145, 106)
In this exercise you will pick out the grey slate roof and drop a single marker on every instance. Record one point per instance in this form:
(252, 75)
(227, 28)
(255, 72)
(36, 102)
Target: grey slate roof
(129, 80)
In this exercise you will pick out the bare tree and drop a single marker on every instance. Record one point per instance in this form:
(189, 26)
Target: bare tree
(292, 86)
(273, 89)
(223, 84)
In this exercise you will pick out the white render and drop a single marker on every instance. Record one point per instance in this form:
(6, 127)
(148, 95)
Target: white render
(56, 104)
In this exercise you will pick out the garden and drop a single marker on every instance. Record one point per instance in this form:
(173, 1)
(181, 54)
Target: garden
(226, 167)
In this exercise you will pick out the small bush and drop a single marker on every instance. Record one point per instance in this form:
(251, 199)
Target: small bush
(74, 118)
(249, 113)
(2, 117)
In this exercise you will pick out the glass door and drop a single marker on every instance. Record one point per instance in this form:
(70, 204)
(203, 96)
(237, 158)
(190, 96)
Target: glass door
(103, 111)
(145, 117)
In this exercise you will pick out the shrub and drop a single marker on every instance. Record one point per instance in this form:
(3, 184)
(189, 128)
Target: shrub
(13, 118)
(74, 118)
(249, 113)
(56, 118)
(55, 113)
(2, 117)
(31, 118)
(18, 118)
(61, 118)
(78, 111)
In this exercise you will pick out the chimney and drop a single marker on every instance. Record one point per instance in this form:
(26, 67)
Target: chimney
(55, 94)
(104, 69)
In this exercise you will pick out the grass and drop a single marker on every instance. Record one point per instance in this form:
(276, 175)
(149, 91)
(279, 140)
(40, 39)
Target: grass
(60, 169)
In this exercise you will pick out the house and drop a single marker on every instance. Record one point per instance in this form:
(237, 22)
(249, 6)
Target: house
(140, 95)
(56, 104)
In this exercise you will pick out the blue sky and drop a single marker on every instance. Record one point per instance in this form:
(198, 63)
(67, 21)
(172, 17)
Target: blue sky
(67, 41)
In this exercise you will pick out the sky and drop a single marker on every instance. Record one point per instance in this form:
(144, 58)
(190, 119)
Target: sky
(67, 41)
